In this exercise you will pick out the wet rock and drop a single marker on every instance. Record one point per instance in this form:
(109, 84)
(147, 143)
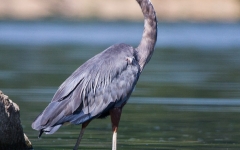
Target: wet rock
(11, 131)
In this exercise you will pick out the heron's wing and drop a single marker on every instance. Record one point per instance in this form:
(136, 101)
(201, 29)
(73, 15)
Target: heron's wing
(108, 78)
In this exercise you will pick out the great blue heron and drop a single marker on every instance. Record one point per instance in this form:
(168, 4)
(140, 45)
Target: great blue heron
(102, 85)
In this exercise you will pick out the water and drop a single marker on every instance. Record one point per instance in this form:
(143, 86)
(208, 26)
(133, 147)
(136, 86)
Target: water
(186, 98)
(205, 35)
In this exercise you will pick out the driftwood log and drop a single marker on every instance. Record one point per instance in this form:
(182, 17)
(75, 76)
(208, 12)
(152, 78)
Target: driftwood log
(11, 131)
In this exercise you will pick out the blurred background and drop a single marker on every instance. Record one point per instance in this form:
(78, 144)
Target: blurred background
(186, 98)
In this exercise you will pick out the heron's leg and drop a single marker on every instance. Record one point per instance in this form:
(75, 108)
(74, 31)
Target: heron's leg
(84, 125)
(115, 114)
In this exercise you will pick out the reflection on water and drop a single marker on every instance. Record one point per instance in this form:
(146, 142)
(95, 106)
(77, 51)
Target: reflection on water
(195, 66)
(171, 73)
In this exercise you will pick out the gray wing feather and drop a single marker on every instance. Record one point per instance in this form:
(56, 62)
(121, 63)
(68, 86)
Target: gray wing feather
(105, 80)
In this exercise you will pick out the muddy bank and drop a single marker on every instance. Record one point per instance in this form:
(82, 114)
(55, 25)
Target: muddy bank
(167, 10)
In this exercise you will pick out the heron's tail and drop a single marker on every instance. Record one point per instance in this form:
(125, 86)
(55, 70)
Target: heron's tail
(37, 125)
(55, 115)
(149, 37)
(47, 121)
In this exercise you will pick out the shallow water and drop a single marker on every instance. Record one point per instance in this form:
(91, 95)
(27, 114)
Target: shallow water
(187, 97)
(144, 126)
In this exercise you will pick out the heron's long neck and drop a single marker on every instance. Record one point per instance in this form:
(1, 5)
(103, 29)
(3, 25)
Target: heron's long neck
(149, 37)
